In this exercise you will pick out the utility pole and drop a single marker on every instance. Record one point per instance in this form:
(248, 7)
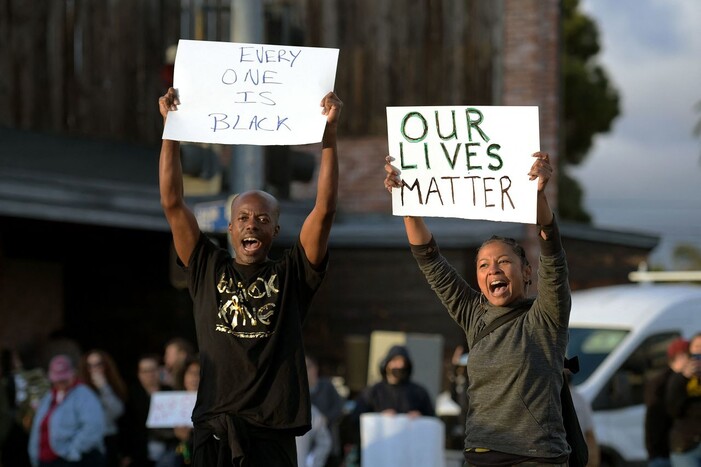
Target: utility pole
(247, 166)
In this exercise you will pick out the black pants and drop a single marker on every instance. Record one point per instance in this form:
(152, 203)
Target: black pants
(112, 451)
(281, 452)
(92, 458)
(528, 464)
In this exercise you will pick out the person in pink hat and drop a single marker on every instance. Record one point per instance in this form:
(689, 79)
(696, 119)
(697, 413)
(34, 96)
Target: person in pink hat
(69, 424)
(683, 400)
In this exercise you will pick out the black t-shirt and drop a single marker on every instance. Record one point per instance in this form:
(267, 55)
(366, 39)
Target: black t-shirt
(249, 332)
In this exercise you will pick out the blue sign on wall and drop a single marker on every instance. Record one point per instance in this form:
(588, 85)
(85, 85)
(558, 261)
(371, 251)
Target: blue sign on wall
(213, 216)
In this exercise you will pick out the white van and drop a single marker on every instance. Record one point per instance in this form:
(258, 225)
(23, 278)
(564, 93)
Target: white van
(620, 334)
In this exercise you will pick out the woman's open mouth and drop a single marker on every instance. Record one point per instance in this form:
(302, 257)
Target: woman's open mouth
(498, 287)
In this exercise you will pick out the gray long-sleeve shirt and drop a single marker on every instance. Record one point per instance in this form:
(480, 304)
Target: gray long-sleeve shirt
(515, 372)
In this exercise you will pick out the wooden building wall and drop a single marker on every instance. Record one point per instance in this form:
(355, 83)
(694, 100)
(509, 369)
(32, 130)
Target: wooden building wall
(84, 67)
(94, 68)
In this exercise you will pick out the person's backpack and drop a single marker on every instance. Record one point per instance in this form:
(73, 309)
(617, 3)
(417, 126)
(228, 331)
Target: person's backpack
(575, 438)
(580, 452)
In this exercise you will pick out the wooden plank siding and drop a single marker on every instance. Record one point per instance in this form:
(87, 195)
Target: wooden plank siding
(93, 67)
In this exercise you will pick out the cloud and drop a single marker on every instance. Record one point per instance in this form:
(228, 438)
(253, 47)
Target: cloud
(646, 172)
(659, 87)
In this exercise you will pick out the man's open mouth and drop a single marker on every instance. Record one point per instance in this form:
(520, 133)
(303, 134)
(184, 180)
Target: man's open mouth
(250, 244)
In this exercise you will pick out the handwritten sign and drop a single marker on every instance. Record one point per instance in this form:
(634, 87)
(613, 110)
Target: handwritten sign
(401, 440)
(465, 162)
(170, 409)
(235, 93)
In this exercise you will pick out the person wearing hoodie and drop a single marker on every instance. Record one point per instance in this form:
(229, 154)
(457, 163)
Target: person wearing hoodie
(396, 393)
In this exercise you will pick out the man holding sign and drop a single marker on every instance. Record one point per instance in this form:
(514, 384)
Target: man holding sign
(514, 415)
(253, 397)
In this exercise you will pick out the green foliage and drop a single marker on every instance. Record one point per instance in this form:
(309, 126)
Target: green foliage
(590, 102)
(570, 199)
(686, 257)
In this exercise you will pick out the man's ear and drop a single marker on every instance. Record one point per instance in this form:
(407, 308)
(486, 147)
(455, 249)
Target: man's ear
(277, 231)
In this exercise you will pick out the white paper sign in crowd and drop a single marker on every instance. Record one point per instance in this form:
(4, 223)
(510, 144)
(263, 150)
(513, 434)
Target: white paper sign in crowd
(259, 94)
(170, 409)
(465, 161)
(400, 440)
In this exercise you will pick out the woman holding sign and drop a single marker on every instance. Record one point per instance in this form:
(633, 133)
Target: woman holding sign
(514, 414)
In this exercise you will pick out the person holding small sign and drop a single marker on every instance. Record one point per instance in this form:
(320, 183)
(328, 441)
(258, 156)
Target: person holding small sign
(253, 397)
(515, 370)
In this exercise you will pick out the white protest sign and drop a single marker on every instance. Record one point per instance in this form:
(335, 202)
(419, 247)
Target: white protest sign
(465, 161)
(235, 93)
(399, 440)
(170, 409)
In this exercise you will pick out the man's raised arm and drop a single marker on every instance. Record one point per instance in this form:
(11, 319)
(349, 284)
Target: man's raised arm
(182, 221)
(317, 227)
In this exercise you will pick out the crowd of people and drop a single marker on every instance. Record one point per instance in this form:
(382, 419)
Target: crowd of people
(79, 409)
(260, 400)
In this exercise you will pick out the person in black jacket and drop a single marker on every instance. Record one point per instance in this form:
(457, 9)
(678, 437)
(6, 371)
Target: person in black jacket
(396, 393)
(330, 403)
(143, 446)
(683, 399)
(657, 420)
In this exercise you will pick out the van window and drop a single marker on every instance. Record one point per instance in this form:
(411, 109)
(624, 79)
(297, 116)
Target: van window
(626, 387)
(592, 346)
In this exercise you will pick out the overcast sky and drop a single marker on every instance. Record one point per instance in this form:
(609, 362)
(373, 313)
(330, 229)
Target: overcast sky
(645, 175)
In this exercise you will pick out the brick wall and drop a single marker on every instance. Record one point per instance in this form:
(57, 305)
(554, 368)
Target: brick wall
(360, 189)
(530, 75)
(530, 65)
